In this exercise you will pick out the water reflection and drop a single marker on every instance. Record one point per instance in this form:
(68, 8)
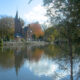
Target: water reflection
(43, 63)
(6, 58)
(44, 66)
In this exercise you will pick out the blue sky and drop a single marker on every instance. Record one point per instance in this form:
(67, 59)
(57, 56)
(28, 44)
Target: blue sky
(29, 12)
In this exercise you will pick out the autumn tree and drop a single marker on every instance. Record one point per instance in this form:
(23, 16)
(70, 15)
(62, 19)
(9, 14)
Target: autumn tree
(36, 30)
(6, 27)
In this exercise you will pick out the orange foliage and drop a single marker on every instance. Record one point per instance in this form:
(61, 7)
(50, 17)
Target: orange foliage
(37, 54)
(36, 29)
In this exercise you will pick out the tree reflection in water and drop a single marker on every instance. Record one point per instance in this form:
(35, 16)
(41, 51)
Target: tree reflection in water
(51, 60)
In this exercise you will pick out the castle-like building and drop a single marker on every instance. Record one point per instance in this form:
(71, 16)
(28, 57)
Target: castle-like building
(20, 31)
(18, 26)
(26, 32)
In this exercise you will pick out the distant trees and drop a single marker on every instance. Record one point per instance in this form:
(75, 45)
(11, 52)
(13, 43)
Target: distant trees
(7, 28)
(51, 34)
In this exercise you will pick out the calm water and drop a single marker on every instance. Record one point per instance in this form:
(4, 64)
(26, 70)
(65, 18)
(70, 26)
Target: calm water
(39, 63)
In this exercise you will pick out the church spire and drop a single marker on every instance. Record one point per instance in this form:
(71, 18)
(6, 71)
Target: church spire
(16, 15)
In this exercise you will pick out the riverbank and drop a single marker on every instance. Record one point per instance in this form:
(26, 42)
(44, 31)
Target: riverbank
(20, 43)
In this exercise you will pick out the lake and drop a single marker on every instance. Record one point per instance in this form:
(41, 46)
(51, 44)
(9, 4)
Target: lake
(48, 62)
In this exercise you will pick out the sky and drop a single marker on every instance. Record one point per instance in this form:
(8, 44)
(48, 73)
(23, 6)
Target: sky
(29, 12)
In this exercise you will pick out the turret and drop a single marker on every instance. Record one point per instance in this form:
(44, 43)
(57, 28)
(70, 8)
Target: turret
(16, 15)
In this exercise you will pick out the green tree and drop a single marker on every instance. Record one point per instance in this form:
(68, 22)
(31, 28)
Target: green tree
(1, 42)
(65, 13)
(51, 34)
(7, 27)
(34, 36)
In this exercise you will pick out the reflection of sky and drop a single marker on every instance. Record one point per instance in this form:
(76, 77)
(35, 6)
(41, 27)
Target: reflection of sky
(44, 66)
(49, 67)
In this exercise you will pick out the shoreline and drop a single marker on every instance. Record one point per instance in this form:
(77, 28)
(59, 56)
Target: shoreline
(20, 43)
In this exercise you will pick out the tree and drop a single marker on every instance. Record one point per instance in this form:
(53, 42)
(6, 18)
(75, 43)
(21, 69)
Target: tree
(7, 27)
(65, 13)
(1, 42)
(51, 34)
(34, 36)
(36, 30)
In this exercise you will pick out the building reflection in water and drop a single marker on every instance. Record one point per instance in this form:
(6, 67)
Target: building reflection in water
(48, 61)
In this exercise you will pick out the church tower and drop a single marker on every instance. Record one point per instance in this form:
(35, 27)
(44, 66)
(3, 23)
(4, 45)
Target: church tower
(18, 26)
(16, 23)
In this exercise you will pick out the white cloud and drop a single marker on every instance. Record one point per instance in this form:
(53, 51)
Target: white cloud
(36, 14)
(44, 67)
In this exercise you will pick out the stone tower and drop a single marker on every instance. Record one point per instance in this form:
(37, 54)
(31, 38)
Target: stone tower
(18, 26)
